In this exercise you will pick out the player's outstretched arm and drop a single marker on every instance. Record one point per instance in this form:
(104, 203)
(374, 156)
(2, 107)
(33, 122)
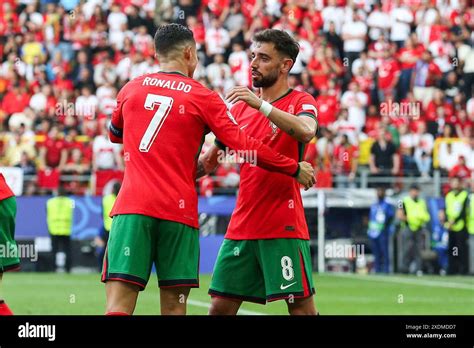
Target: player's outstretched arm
(224, 126)
(302, 128)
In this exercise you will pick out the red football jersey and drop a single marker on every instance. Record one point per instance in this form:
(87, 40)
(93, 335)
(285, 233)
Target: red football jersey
(162, 119)
(269, 205)
(5, 191)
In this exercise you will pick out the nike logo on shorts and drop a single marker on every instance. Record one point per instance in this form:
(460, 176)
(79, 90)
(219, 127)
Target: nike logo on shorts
(283, 287)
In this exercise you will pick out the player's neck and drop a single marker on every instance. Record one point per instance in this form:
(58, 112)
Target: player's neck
(174, 67)
(270, 94)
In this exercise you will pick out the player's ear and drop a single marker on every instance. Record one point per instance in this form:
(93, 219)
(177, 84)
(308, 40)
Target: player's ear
(287, 64)
(187, 52)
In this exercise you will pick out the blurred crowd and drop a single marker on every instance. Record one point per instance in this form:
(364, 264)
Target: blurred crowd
(393, 79)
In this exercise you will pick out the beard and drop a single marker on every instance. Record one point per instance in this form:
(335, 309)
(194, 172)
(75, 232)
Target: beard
(266, 81)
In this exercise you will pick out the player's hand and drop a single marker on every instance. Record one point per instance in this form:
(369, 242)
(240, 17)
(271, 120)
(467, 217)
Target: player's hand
(306, 175)
(244, 94)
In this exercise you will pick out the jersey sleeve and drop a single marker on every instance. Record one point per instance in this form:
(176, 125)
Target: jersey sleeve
(306, 106)
(116, 123)
(226, 129)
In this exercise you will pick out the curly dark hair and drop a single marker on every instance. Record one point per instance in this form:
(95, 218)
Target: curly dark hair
(283, 42)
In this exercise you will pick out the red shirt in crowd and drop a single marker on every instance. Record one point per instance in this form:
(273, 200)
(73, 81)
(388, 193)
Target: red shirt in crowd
(54, 148)
(387, 72)
(327, 109)
(344, 156)
(13, 102)
(430, 112)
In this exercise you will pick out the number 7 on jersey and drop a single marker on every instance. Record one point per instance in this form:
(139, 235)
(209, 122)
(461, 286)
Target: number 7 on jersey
(165, 104)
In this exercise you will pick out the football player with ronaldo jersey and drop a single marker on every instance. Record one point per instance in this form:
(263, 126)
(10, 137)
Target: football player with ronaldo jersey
(265, 255)
(162, 119)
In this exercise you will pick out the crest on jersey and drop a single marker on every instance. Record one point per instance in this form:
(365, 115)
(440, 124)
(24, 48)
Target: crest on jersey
(273, 126)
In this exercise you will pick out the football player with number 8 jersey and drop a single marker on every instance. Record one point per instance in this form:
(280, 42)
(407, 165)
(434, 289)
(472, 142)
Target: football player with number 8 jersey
(162, 119)
(265, 255)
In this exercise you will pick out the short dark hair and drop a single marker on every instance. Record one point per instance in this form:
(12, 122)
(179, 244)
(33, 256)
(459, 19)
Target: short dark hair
(282, 41)
(170, 36)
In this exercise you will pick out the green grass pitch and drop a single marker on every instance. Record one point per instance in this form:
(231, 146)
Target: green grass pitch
(82, 294)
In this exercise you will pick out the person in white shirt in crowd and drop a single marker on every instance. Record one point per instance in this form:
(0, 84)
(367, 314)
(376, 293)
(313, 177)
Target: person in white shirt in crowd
(344, 126)
(13, 63)
(86, 103)
(469, 154)
(401, 19)
(123, 69)
(117, 22)
(364, 61)
(106, 155)
(142, 41)
(353, 34)
(219, 73)
(217, 39)
(108, 102)
(39, 100)
(378, 22)
(443, 51)
(355, 101)
(137, 67)
(304, 56)
(240, 65)
(333, 13)
(448, 156)
(31, 15)
(424, 143)
(105, 72)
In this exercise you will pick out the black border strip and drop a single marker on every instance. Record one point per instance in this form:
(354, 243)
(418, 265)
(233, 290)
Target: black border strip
(192, 283)
(10, 268)
(125, 278)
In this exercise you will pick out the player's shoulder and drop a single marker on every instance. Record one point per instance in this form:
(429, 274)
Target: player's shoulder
(302, 96)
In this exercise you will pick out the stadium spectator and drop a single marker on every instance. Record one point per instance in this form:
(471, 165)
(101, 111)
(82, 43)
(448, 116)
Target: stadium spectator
(344, 126)
(448, 157)
(345, 164)
(219, 73)
(355, 101)
(407, 148)
(26, 164)
(106, 156)
(424, 143)
(401, 18)
(460, 170)
(53, 151)
(354, 34)
(217, 39)
(105, 72)
(425, 75)
(384, 159)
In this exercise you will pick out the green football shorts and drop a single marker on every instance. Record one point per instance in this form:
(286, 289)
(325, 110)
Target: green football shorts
(136, 242)
(9, 260)
(263, 270)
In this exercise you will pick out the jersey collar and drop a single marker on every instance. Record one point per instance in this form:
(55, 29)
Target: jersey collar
(283, 96)
(172, 72)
